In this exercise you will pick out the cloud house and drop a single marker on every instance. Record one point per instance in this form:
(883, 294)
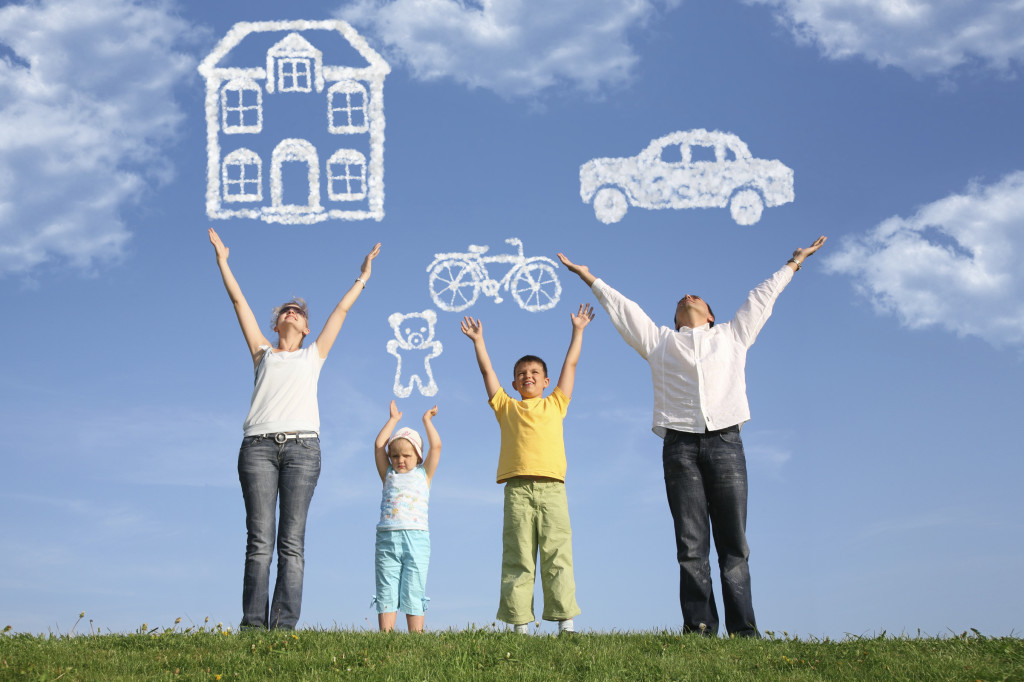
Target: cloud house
(295, 123)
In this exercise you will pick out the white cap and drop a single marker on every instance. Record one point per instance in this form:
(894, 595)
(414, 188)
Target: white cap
(411, 436)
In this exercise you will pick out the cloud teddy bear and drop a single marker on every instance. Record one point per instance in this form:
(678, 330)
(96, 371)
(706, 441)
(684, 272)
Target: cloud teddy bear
(414, 336)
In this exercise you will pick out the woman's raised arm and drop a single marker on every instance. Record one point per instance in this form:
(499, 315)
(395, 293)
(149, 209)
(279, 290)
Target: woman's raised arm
(254, 338)
(337, 316)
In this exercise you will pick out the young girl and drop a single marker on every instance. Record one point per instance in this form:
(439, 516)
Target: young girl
(403, 539)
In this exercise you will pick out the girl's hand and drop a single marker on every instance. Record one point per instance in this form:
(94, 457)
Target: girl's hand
(218, 245)
(367, 262)
(395, 414)
(430, 414)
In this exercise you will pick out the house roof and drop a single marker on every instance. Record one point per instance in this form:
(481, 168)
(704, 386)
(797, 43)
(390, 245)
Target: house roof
(211, 65)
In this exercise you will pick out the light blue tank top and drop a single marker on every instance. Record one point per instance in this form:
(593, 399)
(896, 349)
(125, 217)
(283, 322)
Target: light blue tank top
(403, 504)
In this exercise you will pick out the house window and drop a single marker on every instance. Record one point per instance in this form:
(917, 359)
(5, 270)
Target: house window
(346, 175)
(346, 108)
(242, 176)
(241, 104)
(293, 75)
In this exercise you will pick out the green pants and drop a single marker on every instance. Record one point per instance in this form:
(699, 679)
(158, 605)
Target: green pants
(536, 518)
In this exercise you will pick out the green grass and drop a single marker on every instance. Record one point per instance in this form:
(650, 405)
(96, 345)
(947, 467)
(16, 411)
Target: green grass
(473, 654)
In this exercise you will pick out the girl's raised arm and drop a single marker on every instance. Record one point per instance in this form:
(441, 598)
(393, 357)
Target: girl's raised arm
(254, 338)
(433, 453)
(380, 454)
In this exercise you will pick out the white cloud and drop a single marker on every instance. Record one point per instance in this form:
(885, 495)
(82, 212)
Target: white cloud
(956, 263)
(513, 47)
(86, 102)
(923, 37)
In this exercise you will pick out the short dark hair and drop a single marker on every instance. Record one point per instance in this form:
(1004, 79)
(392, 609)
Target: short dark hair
(710, 312)
(530, 358)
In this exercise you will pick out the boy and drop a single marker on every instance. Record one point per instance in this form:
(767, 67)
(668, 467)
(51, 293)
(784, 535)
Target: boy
(532, 467)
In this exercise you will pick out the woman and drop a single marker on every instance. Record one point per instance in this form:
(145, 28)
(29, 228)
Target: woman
(280, 453)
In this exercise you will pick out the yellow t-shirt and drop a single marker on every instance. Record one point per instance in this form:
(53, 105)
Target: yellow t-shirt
(531, 435)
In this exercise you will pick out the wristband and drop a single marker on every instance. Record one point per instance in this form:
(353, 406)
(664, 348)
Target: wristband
(361, 281)
(799, 263)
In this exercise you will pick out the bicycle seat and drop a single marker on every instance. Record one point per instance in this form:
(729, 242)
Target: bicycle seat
(473, 248)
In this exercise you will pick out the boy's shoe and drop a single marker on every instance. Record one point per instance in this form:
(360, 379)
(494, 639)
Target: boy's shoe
(522, 629)
(566, 626)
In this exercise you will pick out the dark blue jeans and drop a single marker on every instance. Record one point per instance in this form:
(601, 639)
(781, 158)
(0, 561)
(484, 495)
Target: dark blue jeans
(706, 482)
(267, 471)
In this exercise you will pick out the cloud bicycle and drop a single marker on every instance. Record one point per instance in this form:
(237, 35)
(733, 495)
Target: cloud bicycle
(456, 279)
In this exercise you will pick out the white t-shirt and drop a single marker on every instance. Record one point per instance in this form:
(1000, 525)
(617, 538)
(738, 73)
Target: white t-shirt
(284, 398)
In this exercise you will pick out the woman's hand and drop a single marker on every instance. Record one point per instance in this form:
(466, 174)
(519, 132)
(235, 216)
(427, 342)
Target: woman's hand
(364, 270)
(218, 246)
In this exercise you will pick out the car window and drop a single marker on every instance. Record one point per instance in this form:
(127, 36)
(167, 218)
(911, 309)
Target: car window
(702, 152)
(671, 153)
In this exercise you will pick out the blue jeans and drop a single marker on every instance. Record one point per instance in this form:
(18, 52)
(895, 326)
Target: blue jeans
(706, 483)
(266, 471)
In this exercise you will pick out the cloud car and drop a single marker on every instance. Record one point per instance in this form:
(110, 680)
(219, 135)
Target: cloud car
(687, 169)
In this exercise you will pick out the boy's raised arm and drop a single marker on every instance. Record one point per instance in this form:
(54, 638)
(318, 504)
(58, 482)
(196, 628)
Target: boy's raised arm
(433, 453)
(380, 454)
(474, 329)
(580, 320)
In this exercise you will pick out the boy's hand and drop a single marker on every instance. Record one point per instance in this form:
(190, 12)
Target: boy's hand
(430, 414)
(218, 246)
(474, 329)
(395, 414)
(581, 319)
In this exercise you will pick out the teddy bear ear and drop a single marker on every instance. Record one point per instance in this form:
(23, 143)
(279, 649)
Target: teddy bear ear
(430, 315)
(395, 319)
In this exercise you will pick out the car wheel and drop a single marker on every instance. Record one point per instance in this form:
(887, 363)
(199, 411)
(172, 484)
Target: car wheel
(610, 205)
(746, 207)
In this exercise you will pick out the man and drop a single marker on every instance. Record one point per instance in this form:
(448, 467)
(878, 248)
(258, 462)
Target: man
(700, 402)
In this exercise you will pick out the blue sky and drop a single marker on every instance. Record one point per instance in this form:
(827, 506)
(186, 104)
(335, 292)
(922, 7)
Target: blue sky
(883, 469)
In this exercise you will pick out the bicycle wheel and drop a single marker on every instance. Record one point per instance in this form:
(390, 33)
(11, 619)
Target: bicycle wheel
(454, 285)
(535, 287)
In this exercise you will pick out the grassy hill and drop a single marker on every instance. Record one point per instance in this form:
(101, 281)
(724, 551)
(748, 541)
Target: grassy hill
(217, 654)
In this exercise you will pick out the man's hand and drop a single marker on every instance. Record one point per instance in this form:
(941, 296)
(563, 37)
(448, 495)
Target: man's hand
(802, 254)
(582, 270)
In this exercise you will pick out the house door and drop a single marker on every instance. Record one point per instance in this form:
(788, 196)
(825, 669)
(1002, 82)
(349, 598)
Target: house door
(295, 178)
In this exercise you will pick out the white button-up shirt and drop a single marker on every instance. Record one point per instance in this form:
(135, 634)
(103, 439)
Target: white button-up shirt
(698, 374)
